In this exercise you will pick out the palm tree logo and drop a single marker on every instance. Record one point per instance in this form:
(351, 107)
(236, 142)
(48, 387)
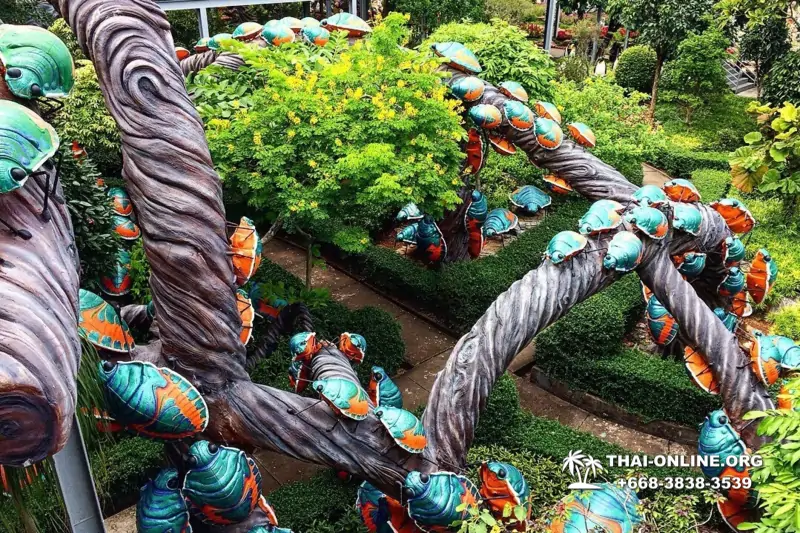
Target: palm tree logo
(580, 466)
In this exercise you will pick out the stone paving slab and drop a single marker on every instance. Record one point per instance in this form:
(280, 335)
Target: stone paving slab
(122, 522)
(414, 394)
(422, 340)
(625, 437)
(282, 469)
(356, 296)
(545, 405)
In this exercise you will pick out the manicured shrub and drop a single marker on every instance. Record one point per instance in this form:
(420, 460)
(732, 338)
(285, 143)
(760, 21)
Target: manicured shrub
(335, 139)
(636, 68)
(786, 321)
(505, 54)
(782, 83)
(502, 414)
(712, 184)
(61, 28)
(680, 162)
(85, 119)
(323, 498)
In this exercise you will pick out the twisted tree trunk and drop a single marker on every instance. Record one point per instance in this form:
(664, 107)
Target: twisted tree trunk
(39, 345)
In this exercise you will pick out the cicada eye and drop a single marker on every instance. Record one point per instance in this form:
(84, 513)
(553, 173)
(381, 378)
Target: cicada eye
(108, 366)
(14, 73)
(425, 478)
(18, 174)
(502, 473)
(36, 90)
(723, 419)
(408, 493)
(173, 483)
(213, 448)
(378, 376)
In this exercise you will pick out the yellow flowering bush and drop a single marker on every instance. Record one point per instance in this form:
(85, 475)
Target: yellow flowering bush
(338, 138)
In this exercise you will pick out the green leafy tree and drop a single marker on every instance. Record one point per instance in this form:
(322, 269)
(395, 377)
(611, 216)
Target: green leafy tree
(513, 11)
(756, 13)
(783, 83)
(771, 159)
(696, 76)
(763, 45)
(778, 479)
(334, 141)
(662, 24)
(33, 12)
(505, 54)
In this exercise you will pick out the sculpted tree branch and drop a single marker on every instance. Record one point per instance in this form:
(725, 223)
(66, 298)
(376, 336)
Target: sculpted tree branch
(39, 345)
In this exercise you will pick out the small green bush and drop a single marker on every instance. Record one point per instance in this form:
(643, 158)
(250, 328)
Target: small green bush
(505, 54)
(712, 184)
(514, 11)
(123, 467)
(61, 28)
(786, 321)
(502, 174)
(636, 68)
(502, 413)
(782, 84)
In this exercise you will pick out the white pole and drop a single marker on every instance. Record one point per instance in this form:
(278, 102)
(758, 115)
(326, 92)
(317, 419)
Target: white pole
(204, 23)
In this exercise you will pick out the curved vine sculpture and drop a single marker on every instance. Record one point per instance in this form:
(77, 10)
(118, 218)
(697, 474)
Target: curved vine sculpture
(39, 345)
(177, 198)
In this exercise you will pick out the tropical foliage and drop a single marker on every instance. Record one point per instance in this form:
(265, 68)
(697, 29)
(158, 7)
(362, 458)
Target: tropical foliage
(427, 15)
(778, 478)
(771, 161)
(782, 83)
(505, 53)
(335, 139)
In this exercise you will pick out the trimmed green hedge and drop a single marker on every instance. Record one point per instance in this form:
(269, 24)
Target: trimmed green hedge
(459, 294)
(584, 349)
(385, 346)
(681, 162)
(712, 184)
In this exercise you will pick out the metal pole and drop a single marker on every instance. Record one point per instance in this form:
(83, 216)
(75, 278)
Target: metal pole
(627, 35)
(328, 9)
(77, 486)
(549, 23)
(596, 43)
(204, 22)
(354, 7)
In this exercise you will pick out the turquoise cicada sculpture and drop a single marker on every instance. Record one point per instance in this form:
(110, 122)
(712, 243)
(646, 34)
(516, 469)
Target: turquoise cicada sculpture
(564, 246)
(36, 62)
(499, 221)
(430, 241)
(26, 143)
(718, 437)
(405, 428)
(503, 485)
(649, 220)
(624, 252)
(609, 509)
(151, 401)
(161, 507)
(434, 500)
(382, 390)
(223, 485)
(650, 195)
(353, 346)
(530, 199)
(458, 56)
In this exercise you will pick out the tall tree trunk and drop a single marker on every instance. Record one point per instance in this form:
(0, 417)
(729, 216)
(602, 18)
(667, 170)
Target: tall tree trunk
(651, 112)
